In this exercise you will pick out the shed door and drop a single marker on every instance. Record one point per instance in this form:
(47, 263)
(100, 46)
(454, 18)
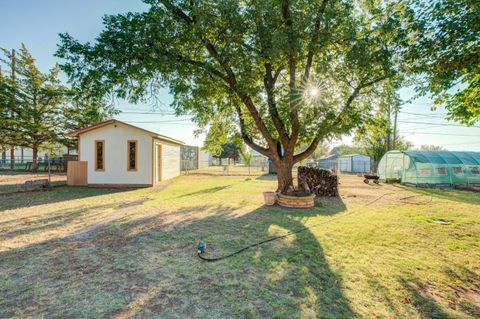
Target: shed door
(159, 162)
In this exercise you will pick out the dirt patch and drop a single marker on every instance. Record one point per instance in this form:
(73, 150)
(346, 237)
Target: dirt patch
(473, 296)
(357, 192)
(13, 182)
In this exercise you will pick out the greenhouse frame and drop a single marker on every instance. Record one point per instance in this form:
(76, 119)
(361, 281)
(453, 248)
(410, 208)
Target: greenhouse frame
(442, 169)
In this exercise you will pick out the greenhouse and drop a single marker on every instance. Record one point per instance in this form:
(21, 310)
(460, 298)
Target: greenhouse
(443, 169)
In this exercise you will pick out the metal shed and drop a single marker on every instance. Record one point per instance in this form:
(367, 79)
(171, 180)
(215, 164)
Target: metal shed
(354, 163)
(328, 162)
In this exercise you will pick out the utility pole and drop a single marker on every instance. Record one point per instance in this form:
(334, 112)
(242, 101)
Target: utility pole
(12, 147)
(3, 147)
(395, 130)
(387, 137)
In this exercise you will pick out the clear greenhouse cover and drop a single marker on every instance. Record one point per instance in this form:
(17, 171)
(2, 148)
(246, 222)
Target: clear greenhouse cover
(431, 168)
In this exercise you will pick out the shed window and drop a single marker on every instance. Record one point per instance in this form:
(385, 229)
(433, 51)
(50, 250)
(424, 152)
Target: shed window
(441, 171)
(132, 155)
(475, 170)
(457, 170)
(99, 155)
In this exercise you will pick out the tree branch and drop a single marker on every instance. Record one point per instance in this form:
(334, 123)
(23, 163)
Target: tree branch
(203, 66)
(320, 133)
(311, 46)
(277, 73)
(292, 65)
(230, 75)
(247, 138)
(272, 107)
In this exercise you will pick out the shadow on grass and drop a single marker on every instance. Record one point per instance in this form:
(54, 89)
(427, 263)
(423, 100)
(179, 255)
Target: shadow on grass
(206, 191)
(51, 221)
(433, 300)
(58, 194)
(424, 303)
(147, 267)
(462, 196)
(267, 177)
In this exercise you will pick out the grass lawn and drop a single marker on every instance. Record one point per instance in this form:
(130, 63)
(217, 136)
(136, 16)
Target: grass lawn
(379, 252)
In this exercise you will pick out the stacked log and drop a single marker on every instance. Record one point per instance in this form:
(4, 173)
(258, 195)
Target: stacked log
(320, 182)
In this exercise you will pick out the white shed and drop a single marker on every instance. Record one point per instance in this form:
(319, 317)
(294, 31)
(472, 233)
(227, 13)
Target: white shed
(122, 155)
(354, 163)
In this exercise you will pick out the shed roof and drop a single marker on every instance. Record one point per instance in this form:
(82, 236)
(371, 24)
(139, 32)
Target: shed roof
(113, 121)
(329, 157)
(352, 155)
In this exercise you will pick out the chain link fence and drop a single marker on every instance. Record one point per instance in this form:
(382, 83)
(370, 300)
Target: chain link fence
(25, 163)
(223, 168)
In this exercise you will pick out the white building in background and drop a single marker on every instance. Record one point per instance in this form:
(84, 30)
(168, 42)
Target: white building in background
(25, 154)
(354, 163)
(120, 154)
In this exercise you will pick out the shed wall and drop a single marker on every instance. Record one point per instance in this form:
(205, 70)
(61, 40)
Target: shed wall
(170, 160)
(115, 162)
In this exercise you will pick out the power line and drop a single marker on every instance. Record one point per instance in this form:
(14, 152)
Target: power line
(163, 122)
(447, 134)
(454, 144)
(424, 114)
(421, 118)
(149, 112)
(413, 128)
(440, 124)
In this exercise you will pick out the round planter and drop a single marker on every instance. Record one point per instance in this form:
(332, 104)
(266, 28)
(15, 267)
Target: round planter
(270, 198)
(296, 201)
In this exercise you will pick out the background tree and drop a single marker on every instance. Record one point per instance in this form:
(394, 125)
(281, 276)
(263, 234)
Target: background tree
(37, 110)
(247, 158)
(449, 44)
(283, 73)
(376, 136)
(84, 108)
(231, 150)
(344, 149)
(40, 102)
(432, 148)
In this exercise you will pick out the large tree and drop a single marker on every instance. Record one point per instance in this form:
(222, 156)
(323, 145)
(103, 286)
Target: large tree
(449, 44)
(279, 73)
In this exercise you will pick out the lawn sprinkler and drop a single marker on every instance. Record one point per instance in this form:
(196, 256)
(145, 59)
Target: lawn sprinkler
(201, 246)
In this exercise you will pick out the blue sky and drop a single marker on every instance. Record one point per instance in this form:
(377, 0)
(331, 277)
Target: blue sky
(37, 24)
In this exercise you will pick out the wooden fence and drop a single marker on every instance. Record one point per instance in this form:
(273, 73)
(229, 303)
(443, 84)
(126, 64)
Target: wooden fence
(77, 173)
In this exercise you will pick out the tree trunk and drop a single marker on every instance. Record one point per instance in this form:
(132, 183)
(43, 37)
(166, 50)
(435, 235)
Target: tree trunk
(4, 157)
(34, 160)
(284, 175)
(12, 157)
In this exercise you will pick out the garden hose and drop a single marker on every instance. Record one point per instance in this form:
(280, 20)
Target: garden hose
(200, 252)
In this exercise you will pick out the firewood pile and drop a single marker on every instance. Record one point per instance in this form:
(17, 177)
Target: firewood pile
(320, 182)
